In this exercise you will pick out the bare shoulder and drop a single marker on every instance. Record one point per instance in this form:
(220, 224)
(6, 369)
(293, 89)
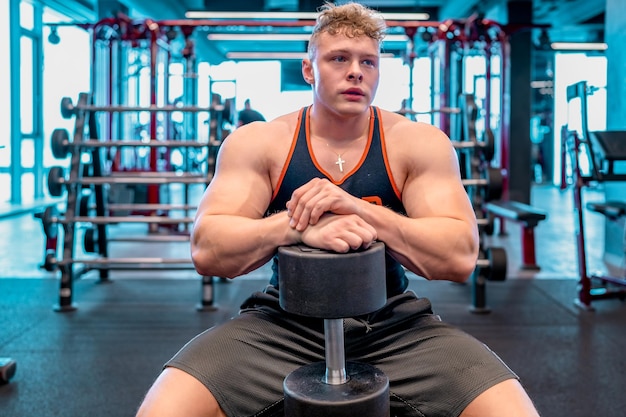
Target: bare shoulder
(257, 138)
(262, 147)
(417, 141)
(398, 127)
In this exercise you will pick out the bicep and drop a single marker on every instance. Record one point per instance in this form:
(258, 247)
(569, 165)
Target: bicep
(433, 186)
(241, 183)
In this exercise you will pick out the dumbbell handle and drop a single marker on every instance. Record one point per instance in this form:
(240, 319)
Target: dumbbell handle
(335, 352)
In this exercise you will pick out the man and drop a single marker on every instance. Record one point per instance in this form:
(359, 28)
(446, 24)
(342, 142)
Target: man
(248, 115)
(338, 175)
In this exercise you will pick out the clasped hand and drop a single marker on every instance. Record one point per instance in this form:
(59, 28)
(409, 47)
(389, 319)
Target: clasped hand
(327, 217)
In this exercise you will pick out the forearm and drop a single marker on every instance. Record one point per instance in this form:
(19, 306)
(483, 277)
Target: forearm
(438, 248)
(229, 246)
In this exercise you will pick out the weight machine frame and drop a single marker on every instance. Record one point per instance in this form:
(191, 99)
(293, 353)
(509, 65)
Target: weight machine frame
(577, 146)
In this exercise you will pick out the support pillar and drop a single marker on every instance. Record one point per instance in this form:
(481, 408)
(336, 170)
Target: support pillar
(519, 164)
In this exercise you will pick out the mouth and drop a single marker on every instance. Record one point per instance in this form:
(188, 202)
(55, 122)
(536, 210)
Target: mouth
(353, 93)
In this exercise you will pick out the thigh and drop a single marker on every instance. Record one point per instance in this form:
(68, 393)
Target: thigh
(434, 369)
(244, 361)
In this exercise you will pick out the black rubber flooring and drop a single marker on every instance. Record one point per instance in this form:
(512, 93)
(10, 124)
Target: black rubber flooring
(100, 359)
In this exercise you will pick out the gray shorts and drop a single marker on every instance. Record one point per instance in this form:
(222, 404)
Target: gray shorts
(434, 369)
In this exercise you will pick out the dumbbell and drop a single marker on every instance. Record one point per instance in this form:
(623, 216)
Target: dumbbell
(490, 266)
(492, 263)
(333, 286)
(7, 370)
(490, 183)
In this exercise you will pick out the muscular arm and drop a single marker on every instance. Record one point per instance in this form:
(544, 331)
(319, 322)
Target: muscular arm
(438, 239)
(230, 237)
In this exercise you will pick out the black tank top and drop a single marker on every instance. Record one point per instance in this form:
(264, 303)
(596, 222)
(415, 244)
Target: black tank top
(370, 180)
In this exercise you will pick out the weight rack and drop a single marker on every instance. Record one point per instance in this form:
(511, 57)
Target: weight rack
(88, 179)
(483, 183)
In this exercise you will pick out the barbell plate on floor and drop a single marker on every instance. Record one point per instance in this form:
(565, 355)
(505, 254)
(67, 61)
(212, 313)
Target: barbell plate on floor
(60, 143)
(329, 285)
(365, 394)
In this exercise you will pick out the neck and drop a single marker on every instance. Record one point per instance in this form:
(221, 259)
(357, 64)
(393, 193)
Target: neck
(338, 129)
(337, 143)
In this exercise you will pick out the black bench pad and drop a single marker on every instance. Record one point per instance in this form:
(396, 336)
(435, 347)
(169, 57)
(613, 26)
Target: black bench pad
(611, 209)
(515, 210)
(612, 143)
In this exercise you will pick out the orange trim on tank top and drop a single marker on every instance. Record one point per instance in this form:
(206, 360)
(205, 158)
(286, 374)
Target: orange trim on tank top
(289, 156)
(386, 159)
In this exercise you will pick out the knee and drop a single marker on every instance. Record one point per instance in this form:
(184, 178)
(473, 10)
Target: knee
(507, 398)
(176, 393)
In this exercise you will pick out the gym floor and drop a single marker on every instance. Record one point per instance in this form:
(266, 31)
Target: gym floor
(100, 359)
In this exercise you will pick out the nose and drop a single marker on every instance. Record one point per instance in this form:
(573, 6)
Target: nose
(355, 72)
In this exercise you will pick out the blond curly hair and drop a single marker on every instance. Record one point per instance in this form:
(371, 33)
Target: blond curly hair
(350, 19)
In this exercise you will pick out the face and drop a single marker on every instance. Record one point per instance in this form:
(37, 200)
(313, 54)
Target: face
(344, 72)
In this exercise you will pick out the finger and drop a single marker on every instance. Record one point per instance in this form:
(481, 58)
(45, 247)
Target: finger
(296, 197)
(301, 210)
(350, 241)
(360, 239)
(339, 245)
(305, 208)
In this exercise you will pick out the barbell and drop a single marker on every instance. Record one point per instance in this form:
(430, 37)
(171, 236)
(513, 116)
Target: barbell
(61, 144)
(56, 179)
(121, 264)
(68, 109)
(90, 239)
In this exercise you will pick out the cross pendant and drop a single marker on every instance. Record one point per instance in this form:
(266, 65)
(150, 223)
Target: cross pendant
(340, 162)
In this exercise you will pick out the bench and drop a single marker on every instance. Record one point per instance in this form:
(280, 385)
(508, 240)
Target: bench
(613, 210)
(526, 215)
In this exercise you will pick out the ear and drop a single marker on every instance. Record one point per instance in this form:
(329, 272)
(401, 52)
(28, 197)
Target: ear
(307, 71)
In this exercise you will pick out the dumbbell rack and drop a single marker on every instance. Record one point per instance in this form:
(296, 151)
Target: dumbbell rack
(483, 183)
(85, 179)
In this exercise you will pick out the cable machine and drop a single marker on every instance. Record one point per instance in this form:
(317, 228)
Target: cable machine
(594, 158)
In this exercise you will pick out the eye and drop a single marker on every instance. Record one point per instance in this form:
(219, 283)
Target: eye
(369, 62)
(339, 58)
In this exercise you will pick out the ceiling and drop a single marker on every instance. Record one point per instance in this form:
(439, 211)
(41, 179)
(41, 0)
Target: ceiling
(567, 20)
